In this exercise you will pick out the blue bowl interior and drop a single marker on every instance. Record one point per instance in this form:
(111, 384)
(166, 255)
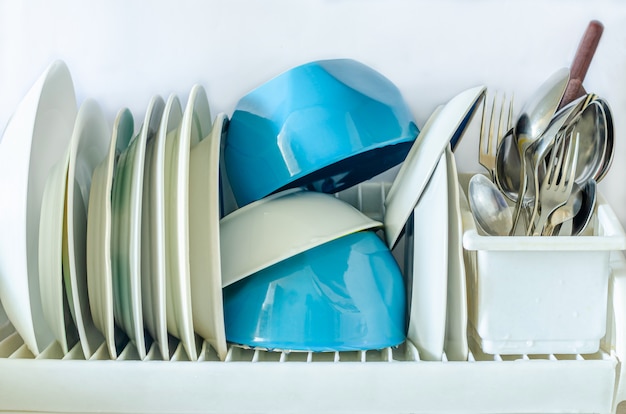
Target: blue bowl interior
(345, 295)
(325, 125)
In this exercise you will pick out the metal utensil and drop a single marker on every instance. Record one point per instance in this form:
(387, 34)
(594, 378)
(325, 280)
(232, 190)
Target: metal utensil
(597, 141)
(589, 202)
(532, 122)
(562, 121)
(560, 221)
(573, 217)
(488, 206)
(582, 60)
(556, 186)
(490, 135)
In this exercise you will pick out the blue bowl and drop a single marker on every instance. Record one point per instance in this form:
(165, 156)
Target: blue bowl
(345, 295)
(325, 125)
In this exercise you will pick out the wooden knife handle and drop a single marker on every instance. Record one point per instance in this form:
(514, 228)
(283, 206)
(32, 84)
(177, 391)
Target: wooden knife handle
(582, 61)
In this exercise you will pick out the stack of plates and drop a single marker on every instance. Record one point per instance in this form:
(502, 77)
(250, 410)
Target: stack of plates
(96, 243)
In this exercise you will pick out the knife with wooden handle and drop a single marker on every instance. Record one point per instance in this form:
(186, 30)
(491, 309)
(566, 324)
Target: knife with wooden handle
(582, 61)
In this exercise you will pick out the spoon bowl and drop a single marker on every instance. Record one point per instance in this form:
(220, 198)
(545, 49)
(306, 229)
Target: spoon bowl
(508, 162)
(595, 126)
(589, 200)
(532, 122)
(609, 149)
(489, 207)
(508, 165)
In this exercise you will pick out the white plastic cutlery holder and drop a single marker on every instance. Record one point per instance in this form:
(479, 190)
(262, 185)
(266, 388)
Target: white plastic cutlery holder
(540, 295)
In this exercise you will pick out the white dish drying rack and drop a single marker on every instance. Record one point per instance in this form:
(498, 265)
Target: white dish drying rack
(252, 381)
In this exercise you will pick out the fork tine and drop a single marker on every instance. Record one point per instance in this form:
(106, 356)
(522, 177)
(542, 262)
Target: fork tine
(489, 138)
(509, 123)
(481, 137)
(501, 125)
(558, 175)
(491, 125)
(572, 158)
(552, 162)
(557, 185)
(491, 134)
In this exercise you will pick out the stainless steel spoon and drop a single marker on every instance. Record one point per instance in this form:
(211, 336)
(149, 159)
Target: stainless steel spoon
(587, 208)
(490, 210)
(564, 120)
(508, 163)
(573, 218)
(595, 127)
(560, 221)
(609, 140)
(531, 124)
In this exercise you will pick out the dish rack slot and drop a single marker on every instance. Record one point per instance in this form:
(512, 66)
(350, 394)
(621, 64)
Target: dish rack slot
(12, 347)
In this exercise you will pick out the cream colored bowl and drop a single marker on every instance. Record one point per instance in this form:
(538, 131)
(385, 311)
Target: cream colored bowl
(281, 226)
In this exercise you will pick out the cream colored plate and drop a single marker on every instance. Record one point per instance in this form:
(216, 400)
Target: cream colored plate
(196, 125)
(421, 160)
(426, 249)
(126, 235)
(99, 223)
(35, 139)
(51, 235)
(456, 346)
(153, 246)
(204, 238)
(88, 148)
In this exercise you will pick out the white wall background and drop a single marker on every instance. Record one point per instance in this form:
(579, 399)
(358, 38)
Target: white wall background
(123, 52)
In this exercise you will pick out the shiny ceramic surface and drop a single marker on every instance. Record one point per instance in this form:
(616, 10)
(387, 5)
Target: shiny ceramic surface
(126, 210)
(344, 295)
(99, 229)
(446, 124)
(195, 125)
(325, 125)
(204, 238)
(51, 236)
(283, 225)
(35, 139)
(153, 248)
(88, 147)
(455, 344)
(426, 258)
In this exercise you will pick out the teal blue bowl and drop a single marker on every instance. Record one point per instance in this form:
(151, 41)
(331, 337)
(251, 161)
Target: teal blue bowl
(325, 126)
(345, 295)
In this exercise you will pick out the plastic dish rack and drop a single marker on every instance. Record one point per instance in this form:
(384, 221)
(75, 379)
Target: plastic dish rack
(391, 380)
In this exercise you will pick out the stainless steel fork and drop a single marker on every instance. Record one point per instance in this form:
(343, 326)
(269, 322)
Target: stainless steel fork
(557, 184)
(490, 137)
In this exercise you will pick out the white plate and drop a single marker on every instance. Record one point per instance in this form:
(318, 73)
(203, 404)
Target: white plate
(88, 148)
(99, 222)
(126, 235)
(456, 345)
(35, 139)
(51, 236)
(426, 253)
(153, 256)
(196, 124)
(422, 159)
(204, 238)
